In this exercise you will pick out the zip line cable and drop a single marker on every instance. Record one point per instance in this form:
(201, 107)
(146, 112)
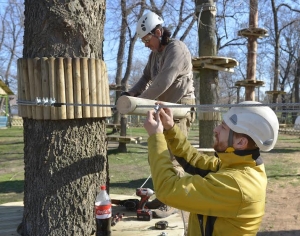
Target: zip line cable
(285, 107)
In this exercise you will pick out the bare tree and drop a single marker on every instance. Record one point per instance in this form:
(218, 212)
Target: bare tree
(209, 82)
(132, 40)
(11, 31)
(277, 32)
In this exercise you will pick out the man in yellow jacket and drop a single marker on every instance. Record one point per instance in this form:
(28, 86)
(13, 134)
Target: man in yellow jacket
(225, 194)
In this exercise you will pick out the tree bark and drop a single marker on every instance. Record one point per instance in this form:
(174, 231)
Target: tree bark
(276, 48)
(120, 61)
(296, 86)
(124, 81)
(65, 160)
(208, 78)
(252, 51)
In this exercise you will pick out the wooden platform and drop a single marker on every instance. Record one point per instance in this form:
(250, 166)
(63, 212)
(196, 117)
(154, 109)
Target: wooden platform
(124, 139)
(214, 63)
(257, 32)
(11, 216)
(249, 83)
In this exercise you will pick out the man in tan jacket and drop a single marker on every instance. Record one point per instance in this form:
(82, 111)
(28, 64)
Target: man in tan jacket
(167, 77)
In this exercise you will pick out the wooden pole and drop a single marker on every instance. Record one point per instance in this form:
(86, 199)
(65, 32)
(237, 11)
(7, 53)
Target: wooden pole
(20, 87)
(69, 86)
(92, 85)
(252, 51)
(52, 87)
(77, 87)
(38, 86)
(86, 111)
(26, 87)
(45, 86)
(32, 84)
(99, 86)
(130, 106)
(61, 88)
(105, 88)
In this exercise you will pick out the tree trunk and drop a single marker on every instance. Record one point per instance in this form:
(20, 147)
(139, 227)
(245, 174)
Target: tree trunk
(276, 48)
(124, 81)
(208, 78)
(65, 160)
(120, 61)
(252, 50)
(296, 86)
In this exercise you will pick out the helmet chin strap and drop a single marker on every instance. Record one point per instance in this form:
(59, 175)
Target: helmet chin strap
(230, 142)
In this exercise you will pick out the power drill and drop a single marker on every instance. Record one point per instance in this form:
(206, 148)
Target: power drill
(141, 212)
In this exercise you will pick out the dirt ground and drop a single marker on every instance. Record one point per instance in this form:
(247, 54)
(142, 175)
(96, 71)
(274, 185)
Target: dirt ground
(282, 214)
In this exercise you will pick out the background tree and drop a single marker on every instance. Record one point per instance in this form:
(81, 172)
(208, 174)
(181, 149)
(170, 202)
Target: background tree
(277, 33)
(11, 32)
(209, 82)
(65, 160)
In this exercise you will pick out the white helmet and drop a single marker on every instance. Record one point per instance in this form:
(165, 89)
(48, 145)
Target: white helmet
(147, 23)
(258, 122)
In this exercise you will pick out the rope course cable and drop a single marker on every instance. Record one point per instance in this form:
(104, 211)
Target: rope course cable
(280, 107)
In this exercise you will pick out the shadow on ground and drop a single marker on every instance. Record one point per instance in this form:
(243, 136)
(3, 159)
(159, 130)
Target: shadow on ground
(280, 233)
(133, 184)
(16, 186)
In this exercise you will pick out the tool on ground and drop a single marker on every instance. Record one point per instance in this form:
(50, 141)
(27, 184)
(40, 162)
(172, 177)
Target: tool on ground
(129, 204)
(116, 218)
(163, 234)
(142, 212)
(161, 224)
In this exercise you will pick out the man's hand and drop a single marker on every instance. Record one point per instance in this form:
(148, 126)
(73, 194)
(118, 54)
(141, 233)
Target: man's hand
(166, 117)
(153, 123)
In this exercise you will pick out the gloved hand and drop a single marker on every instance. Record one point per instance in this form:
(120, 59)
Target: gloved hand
(125, 93)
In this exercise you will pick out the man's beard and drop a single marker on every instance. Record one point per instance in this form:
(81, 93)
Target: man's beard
(219, 146)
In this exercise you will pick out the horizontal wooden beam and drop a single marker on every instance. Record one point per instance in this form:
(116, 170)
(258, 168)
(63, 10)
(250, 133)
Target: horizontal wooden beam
(124, 139)
(134, 106)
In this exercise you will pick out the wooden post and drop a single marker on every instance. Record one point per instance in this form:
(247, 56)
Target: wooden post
(38, 86)
(32, 84)
(106, 96)
(252, 51)
(26, 87)
(77, 87)
(45, 86)
(20, 87)
(92, 86)
(99, 86)
(86, 111)
(61, 89)
(52, 87)
(130, 106)
(69, 87)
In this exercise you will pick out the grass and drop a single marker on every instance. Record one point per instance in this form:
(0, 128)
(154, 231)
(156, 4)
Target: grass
(282, 164)
(11, 165)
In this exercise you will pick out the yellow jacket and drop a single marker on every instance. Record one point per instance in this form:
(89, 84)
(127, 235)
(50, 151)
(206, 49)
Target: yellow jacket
(225, 194)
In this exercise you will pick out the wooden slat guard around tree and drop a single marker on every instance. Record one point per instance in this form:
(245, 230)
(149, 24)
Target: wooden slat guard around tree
(67, 80)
